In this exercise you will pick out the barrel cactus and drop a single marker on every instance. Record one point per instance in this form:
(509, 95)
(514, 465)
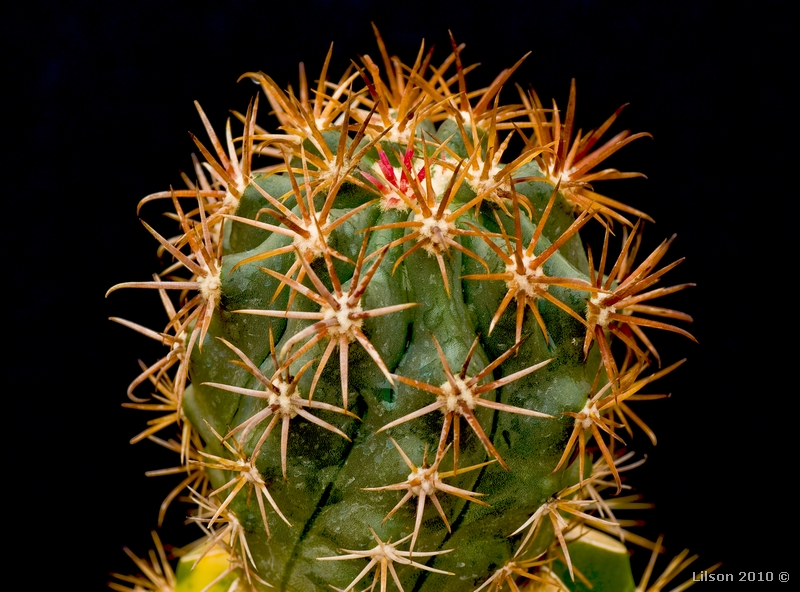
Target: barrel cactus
(392, 362)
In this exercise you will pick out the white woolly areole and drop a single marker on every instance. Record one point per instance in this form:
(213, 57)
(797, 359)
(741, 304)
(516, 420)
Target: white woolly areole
(466, 117)
(321, 123)
(588, 412)
(253, 476)
(598, 312)
(563, 177)
(397, 136)
(334, 172)
(440, 176)
(526, 283)
(345, 323)
(488, 185)
(452, 398)
(230, 201)
(179, 344)
(210, 286)
(507, 569)
(288, 401)
(435, 245)
(312, 245)
(426, 481)
(393, 201)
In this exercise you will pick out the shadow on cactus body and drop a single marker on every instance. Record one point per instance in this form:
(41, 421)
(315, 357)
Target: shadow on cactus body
(391, 351)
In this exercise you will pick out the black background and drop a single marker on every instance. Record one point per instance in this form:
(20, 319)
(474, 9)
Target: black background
(100, 103)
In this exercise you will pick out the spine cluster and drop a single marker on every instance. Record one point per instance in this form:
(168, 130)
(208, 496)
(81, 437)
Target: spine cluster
(391, 361)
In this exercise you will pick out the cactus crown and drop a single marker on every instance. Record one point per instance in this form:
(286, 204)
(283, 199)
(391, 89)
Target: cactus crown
(392, 361)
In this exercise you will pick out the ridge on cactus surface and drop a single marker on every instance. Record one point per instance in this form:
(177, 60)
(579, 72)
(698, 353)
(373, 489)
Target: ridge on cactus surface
(392, 362)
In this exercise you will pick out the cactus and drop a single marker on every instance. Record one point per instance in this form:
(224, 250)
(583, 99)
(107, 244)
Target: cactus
(392, 361)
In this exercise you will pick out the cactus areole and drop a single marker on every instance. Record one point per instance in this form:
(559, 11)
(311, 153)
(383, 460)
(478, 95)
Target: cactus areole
(391, 361)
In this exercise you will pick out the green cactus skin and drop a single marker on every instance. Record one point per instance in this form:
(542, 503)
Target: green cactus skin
(442, 307)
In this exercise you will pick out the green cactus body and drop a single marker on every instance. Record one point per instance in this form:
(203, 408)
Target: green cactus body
(393, 369)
